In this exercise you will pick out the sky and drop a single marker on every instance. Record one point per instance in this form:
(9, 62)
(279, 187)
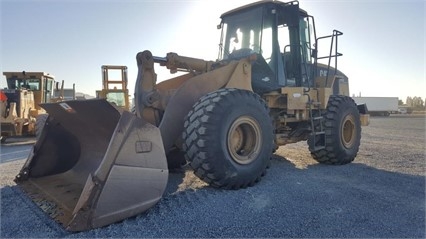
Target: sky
(383, 42)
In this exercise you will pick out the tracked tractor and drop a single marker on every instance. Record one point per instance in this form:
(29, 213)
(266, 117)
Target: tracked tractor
(94, 165)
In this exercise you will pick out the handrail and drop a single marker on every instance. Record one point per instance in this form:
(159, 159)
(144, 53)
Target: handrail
(334, 44)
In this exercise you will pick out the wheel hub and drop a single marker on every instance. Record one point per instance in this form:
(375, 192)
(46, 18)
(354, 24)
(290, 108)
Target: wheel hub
(348, 131)
(244, 140)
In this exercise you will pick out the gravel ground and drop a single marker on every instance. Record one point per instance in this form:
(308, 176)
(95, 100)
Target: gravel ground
(380, 194)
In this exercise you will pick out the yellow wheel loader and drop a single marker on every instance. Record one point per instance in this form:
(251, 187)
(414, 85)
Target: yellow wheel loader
(94, 166)
(20, 111)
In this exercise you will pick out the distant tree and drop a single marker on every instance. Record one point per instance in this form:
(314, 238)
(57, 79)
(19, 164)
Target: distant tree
(418, 102)
(409, 101)
(400, 102)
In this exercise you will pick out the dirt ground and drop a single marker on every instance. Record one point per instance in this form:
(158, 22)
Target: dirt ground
(380, 195)
(395, 144)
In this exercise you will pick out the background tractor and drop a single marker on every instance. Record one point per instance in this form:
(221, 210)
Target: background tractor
(115, 90)
(225, 118)
(21, 113)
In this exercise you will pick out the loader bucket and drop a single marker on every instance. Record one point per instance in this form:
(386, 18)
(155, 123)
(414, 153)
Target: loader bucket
(93, 166)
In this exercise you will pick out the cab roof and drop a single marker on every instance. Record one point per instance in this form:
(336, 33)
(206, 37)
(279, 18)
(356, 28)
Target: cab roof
(273, 3)
(26, 74)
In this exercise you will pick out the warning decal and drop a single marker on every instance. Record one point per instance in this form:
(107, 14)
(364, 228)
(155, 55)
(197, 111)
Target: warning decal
(67, 108)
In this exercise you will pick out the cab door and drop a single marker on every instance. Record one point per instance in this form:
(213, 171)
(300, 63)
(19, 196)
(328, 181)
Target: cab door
(48, 90)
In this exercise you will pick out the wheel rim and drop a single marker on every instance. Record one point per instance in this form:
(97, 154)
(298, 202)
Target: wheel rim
(348, 131)
(244, 140)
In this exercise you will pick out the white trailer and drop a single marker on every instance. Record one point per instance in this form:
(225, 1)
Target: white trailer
(379, 106)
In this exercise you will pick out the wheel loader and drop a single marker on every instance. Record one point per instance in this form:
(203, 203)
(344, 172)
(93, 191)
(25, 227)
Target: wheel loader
(94, 165)
(20, 111)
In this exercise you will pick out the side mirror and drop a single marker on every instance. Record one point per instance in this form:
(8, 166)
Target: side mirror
(314, 53)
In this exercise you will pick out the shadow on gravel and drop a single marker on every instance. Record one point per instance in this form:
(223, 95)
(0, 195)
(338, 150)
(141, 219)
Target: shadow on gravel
(352, 200)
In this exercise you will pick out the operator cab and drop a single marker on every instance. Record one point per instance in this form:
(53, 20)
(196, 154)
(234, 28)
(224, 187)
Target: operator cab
(280, 35)
(40, 83)
(114, 80)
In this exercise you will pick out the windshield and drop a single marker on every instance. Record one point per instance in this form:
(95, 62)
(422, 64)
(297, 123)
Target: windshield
(116, 97)
(241, 32)
(17, 83)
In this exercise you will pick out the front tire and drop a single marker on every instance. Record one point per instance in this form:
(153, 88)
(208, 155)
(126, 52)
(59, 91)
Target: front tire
(228, 138)
(342, 128)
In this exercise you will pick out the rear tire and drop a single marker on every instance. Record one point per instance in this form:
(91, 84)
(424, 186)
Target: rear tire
(228, 138)
(342, 127)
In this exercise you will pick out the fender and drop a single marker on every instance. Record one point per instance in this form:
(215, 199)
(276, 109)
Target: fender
(150, 99)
